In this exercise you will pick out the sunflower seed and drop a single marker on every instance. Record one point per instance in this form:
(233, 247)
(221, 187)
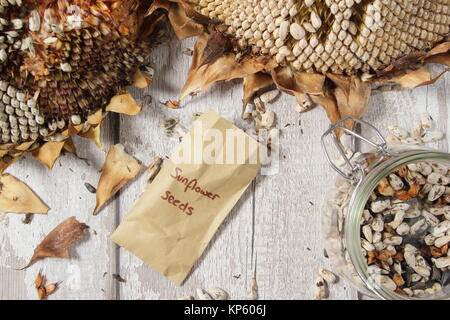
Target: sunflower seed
(217, 293)
(328, 276)
(203, 295)
(252, 290)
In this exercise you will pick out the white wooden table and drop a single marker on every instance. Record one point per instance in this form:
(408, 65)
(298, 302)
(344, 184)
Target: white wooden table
(275, 229)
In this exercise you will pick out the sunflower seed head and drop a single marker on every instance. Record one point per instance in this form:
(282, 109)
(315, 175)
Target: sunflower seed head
(338, 36)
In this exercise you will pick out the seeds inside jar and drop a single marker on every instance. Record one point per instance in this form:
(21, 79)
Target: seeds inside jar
(405, 233)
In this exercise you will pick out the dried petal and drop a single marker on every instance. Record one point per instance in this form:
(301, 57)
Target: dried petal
(125, 104)
(254, 83)
(141, 80)
(118, 169)
(224, 67)
(94, 134)
(49, 152)
(17, 197)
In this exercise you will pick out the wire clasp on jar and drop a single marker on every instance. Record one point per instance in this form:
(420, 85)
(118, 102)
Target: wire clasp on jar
(356, 171)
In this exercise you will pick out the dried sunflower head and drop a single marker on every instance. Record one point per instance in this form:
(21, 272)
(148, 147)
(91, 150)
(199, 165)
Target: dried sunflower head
(338, 36)
(333, 51)
(61, 61)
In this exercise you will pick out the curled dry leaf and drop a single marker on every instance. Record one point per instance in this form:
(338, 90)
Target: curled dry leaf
(17, 197)
(119, 168)
(56, 244)
(213, 62)
(255, 82)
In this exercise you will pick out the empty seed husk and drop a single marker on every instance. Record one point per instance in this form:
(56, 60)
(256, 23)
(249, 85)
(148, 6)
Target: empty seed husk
(252, 290)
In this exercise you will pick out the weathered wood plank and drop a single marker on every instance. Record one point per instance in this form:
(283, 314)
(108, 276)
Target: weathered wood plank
(288, 209)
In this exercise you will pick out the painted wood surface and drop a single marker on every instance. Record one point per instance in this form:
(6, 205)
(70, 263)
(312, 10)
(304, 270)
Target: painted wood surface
(274, 232)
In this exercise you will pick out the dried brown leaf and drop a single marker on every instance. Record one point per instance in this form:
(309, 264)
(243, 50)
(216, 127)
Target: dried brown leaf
(48, 153)
(118, 169)
(352, 96)
(443, 58)
(413, 79)
(57, 242)
(255, 82)
(224, 68)
(17, 197)
(298, 83)
(125, 104)
(385, 254)
(216, 47)
(440, 48)
(184, 21)
(412, 64)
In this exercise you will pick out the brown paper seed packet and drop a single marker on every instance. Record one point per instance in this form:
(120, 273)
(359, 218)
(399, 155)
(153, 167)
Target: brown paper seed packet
(181, 210)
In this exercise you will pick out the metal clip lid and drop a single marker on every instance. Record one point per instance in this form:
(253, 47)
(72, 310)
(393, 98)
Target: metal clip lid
(357, 172)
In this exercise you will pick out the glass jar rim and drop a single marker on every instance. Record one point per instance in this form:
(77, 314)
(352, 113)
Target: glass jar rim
(358, 200)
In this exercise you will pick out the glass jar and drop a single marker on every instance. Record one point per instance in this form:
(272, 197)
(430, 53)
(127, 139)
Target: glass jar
(346, 213)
